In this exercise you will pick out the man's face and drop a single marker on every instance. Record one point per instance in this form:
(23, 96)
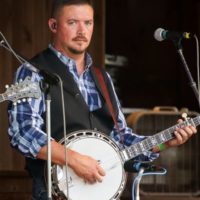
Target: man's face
(74, 28)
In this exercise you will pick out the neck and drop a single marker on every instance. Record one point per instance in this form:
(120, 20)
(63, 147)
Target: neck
(78, 58)
(80, 65)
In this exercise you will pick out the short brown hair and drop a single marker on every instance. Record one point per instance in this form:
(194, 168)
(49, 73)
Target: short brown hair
(58, 4)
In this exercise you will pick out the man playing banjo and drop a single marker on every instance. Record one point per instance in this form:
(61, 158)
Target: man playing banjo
(71, 25)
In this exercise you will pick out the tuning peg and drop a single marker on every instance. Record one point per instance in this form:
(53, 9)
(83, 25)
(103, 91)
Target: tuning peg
(186, 118)
(14, 103)
(6, 86)
(19, 101)
(29, 100)
(20, 80)
(23, 100)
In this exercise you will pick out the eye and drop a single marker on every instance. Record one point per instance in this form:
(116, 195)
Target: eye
(71, 22)
(88, 23)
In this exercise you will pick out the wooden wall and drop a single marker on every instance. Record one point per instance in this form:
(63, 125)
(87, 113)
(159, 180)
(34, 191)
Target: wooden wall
(24, 24)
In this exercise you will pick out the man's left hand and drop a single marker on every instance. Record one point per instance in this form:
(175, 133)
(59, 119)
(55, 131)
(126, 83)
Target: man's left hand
(182, 135)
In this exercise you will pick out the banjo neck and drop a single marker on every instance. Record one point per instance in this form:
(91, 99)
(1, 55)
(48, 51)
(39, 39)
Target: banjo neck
(159, 138)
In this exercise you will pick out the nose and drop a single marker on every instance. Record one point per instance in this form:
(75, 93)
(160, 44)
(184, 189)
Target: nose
(81, 29)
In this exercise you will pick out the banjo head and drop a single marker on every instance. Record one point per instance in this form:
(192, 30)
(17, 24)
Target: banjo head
(102, 148)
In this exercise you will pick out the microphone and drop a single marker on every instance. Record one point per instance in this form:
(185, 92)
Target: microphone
(49, 77)
(135, 166)
(161, 34)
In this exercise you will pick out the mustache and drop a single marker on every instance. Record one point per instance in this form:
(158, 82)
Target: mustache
(80, 38)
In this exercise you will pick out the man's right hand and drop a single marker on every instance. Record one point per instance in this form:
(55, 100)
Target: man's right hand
(85, 166)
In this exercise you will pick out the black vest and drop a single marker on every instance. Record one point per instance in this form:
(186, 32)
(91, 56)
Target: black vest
(77, 112)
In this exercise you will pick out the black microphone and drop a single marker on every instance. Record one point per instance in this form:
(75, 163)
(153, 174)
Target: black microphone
(161, 34)
(135, 166)
(49, 77)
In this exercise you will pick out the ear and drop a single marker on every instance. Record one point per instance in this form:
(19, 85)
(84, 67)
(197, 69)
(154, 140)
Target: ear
(52, 25)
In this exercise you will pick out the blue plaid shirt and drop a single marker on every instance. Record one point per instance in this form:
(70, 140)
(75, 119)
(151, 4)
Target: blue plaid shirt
(26, 123)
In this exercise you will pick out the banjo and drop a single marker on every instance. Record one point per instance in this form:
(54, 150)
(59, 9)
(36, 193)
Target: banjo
(110, 157)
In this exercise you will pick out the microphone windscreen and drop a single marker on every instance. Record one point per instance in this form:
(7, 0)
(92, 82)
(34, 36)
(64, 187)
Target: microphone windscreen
(158, 34)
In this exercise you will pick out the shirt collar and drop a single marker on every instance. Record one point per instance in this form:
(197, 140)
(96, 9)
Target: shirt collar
(66, 60)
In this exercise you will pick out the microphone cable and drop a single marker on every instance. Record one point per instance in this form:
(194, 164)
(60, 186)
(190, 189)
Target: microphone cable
(136, 182)
(9, 48)
(64, 133)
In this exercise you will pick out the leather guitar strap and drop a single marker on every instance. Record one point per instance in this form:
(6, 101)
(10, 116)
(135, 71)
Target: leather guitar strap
(107, 98)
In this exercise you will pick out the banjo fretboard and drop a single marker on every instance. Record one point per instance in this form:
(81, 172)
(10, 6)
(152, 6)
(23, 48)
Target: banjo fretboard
(159, 138)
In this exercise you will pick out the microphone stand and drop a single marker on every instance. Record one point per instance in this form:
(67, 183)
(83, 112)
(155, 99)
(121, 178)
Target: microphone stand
(46, 88)
(192, 83)
(139, 177)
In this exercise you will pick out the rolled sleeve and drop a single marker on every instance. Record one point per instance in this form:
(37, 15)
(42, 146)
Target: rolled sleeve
(26, 125)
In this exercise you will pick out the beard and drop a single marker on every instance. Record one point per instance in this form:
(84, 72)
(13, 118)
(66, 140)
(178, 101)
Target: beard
(76, 51)
(77, 39)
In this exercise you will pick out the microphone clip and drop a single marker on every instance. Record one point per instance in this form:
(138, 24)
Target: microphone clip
(135, 166)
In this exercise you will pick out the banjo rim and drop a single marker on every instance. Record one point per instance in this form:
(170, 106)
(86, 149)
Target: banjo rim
(78, 135)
